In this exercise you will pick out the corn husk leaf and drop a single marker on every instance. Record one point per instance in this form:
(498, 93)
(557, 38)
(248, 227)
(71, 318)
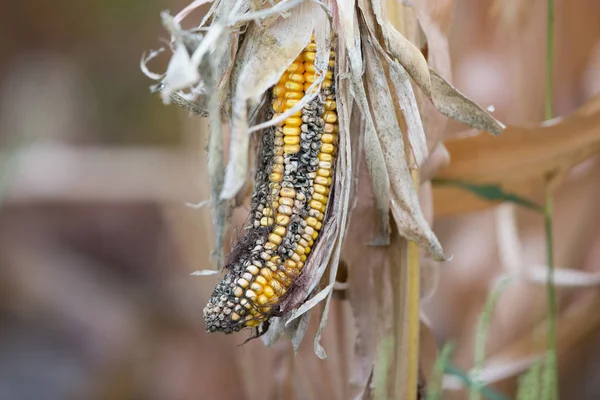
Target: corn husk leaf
(520, 160)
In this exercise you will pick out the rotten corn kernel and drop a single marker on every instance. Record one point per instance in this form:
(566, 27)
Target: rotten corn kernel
(289, 202)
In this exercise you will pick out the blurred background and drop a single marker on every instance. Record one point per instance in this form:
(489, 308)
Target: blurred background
(96, 244)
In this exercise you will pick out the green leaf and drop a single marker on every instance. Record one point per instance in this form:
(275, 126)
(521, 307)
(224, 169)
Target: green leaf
(491, 193)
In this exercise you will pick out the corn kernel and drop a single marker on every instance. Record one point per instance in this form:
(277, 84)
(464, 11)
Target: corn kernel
(262, 299)
(264, 221)
(311, 221)
(271, 246)
(291, 148)
(319, 180)
(267, 212)
(243, 283)
(276, 286)
(275, 238)
(235, 316)
(283, 220)
(325, 157)
(297, 67)
(238, 291)
(327, 138)
(279, 90)
(260, 280)
(330, 117)
(299, 249)
(288, 192)
(253, 269)
(290, 140)
(298, 78)
(286, 210)
(250, 294)
(275, 177)
(321, 189)
(266, 273)
(312, 46)
(310, 78)
(295, 257)
(329, 128)
(291, 122)
(309, 56)
(279, 230)
(293, 131)
(269, 292)
(289, 264)
(293, 87)
(325, 164)
(286, 201)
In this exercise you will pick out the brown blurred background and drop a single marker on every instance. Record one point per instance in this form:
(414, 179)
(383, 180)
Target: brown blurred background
(96, 245)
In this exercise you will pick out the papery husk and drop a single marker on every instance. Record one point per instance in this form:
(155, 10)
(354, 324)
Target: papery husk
(520, 160)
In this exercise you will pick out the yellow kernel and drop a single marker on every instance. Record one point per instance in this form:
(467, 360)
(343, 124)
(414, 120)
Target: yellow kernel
(283, 209)
(291, 140)
(294, 87)
(312, 46)
(288, 192)
(309, 56)
(250, 294)
(253, 269)
(278, 105)
(325, 157)
(327, 83)
(319, 180)
(290, 103)
(256, 288)
(291, 148)
(310, 67)
(310, 78)
(319, 226)
(289, 264)
(320, 189)
(292, 121)
(317, 205)
(327, 138)
(243, 283)
(319, 197)
(272, 266)
(284, 77)
(275, 238)
(283, 220)
(311, 221)
(325, 164)
(329, 117)
(297, 67)
(278, 141)
(293, 95)
(275, 177)
(330, 105)
(298, 78)
(308, 230)
(238, 291)
(327, 148)
(260, 280)
(329, 128)
(265, 221)
(266, 273)
(306, 250)
(269, 292)
(270, 246)
(267, 212)
(262, 299)
(279, 230)
(265, 256)
(315, 235)
(299, 249)
(286, 201)
(307, 87)
(295, 257)
(278, 150)
(278, 168)
(278, 160)
(326, 173)
(291, 131)
(276, 286)
(279, 90)
(329, 75)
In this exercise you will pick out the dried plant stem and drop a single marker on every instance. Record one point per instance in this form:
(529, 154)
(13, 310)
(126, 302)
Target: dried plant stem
(550, 378)
(414, 294)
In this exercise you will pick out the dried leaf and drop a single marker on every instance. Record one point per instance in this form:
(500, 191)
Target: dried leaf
(521, 159)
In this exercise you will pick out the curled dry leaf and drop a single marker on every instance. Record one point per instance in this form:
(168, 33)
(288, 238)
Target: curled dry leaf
(520, 160)
(242, 64)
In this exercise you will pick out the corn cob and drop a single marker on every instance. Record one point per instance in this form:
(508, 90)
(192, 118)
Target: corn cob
(289, 202)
